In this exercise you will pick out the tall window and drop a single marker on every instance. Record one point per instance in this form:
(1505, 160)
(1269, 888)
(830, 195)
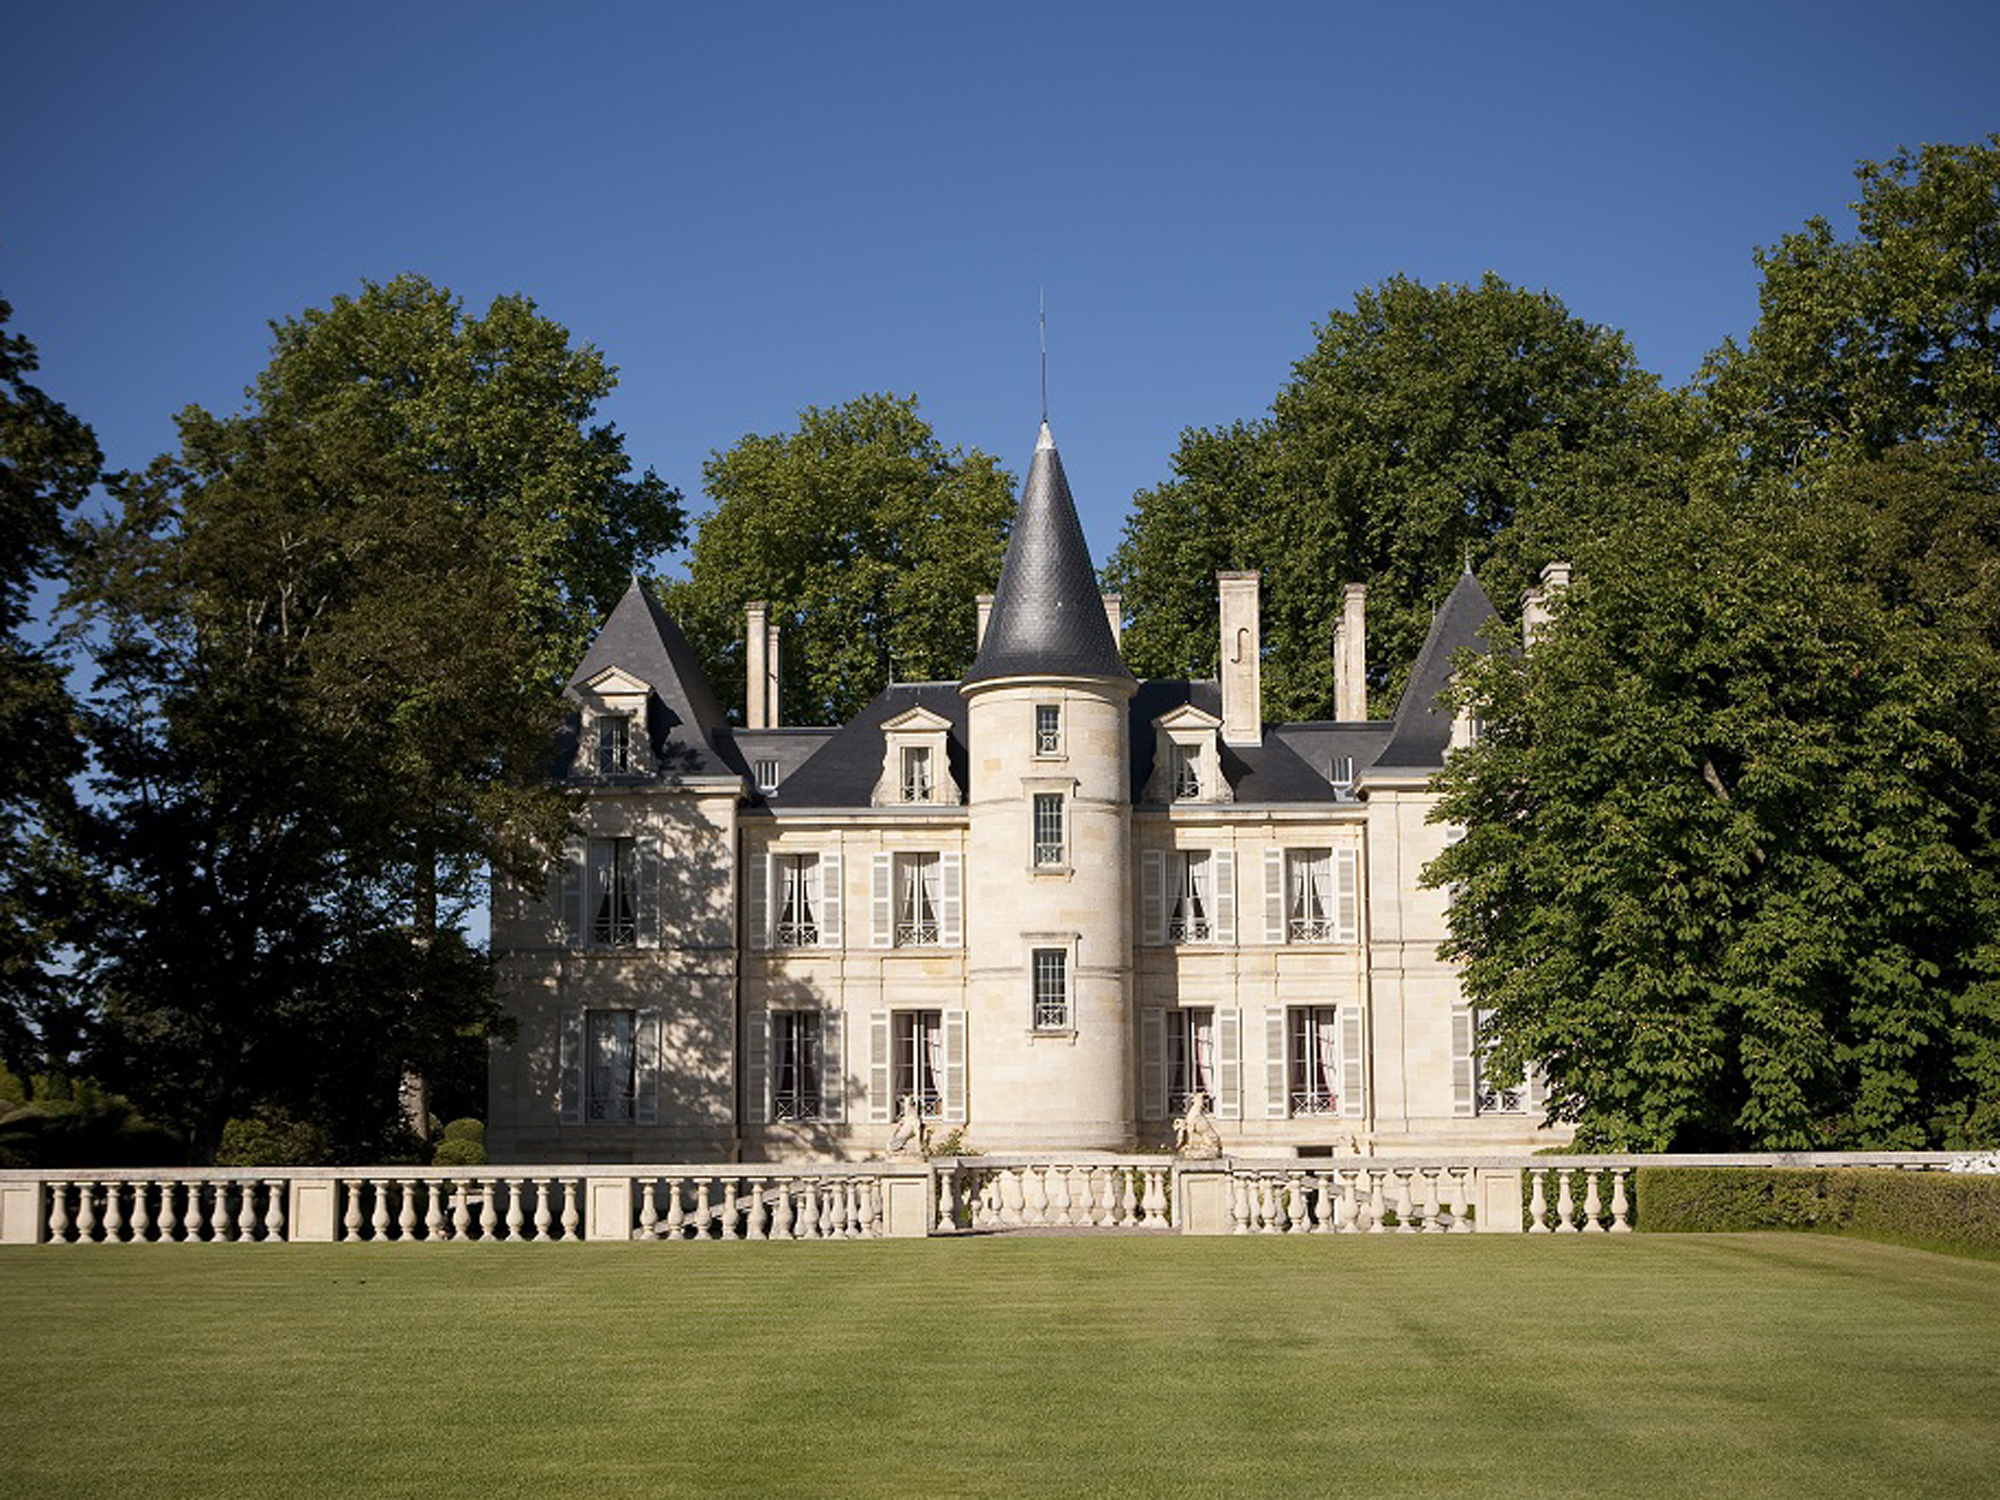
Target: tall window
(798, 901)
(1048, 828)
(1315, 1061)
(614, 920)
(1048, 729)
(918, 893)
(1488, 1097)
(1309, 895)
(1190, 1057)
(919, 1063)
(611, 1070)
(917, 773)
(1188, 919)
(1051, 989)
(1187, 773)
(614, 744)
(795, 1065)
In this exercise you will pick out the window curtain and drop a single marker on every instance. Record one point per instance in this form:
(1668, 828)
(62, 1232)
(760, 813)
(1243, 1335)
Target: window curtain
(611, 1065)
(930, 1054)
(1322, 885)
(1201, 1074)
(1326, 1053)
(1197, 888)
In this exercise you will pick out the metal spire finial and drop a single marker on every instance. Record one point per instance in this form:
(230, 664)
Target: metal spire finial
(1043, 295)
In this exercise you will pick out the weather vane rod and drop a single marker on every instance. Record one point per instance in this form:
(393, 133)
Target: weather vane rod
(1043, 295)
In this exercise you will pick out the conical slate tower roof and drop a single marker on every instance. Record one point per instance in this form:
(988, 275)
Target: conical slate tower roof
(1048, 615)
(1423, 721)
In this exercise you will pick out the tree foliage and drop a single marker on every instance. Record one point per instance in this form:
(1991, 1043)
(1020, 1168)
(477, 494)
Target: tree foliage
(870, 540)
(313, 726)
(48, 462)
(1429, 426)
(1728, 872)
(1890, 337)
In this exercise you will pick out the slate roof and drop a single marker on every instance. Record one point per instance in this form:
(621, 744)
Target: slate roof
(1422, 726)
(690, 732)
(1271, 772)
(1048, 614)
(844, 771)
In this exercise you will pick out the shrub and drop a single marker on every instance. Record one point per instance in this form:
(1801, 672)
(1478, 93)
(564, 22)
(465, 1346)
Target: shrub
(272, 1138)
(74, 1123)
(1955, 1213)
(459, 1153)
(466, 1130)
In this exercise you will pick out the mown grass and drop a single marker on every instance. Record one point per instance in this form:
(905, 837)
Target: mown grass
(1652, 1365)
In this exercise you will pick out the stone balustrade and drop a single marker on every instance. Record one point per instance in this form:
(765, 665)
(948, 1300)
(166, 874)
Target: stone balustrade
(680, 1203)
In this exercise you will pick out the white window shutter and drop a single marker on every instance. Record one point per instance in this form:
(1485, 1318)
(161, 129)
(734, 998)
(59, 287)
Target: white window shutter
(954, 1067)
(1461, 1060)
(881, 1108)
(1229, 1064)
(951, 880)
(572, 893)
(569, 1071)
(1153, 897)
(1277, 1093)
(833, 1066)
(648, 859)
(1347, 895)
(1353, 1065)
(1152, 1063)
(757, 869)
(881, 901)
(757, 1067)
(1274, 895)
(646, 1109)
(830, 904)
(1223, 864)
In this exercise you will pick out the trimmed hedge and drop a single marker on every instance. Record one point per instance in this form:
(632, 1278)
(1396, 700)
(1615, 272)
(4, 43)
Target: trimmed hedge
(1957, 1213)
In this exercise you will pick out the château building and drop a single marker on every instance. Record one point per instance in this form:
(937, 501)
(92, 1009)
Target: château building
(1047, 902)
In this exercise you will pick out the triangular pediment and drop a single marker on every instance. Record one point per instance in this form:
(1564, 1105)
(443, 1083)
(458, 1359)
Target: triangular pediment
(616, 682)
(918, 720)
(1187, 716)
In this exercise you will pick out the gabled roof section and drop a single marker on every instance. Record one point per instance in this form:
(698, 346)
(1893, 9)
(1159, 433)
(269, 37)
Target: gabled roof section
(1422, 731)
(1048, 615)
(843, 771)
(642, 641)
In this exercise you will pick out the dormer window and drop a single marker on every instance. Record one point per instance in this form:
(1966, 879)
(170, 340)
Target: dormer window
(916, 773)
(1187, 758)
(614, 745)
(767, 775)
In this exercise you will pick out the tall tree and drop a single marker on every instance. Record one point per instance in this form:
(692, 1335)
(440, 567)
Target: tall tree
(48, 462)
(1429, 426)
(324, 631)
(870, 539)
(1729, 869)
(1889, 337)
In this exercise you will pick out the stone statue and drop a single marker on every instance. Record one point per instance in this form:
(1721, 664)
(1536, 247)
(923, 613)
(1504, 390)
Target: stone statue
(908, 1138)
(1195, 1137)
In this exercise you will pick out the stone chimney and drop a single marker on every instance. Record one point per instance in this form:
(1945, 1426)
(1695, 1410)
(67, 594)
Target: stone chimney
(985, 602)
(1242, 652)
(1350, 656)
(1536, 601)
(1114, 616)
(773, 661)
(756, 665)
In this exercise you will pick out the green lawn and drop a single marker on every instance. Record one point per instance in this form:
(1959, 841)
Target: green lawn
(1651, 1365)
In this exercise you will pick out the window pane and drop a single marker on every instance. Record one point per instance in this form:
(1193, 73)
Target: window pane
(919, 1058)
(1048, 729)
(1048, 828)
(1051, 987)
(611, 1076)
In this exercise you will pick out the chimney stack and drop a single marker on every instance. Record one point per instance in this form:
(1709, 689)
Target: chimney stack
(1114, 616)
(756, 670)
(1350, 656)
(1536, 601)
(1242, 653)
(985, 602)
(773, 660)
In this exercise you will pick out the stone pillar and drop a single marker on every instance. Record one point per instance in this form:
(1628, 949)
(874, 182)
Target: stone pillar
(1114, 616)
(773, 661)
(985, 602)
(1350, 656)
(1242, 651)
(756, 669)
(1536, 601)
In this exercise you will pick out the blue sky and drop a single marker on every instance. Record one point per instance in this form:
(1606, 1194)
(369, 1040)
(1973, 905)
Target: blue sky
(755, 208)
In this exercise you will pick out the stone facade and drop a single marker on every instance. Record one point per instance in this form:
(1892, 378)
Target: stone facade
(1047, 903)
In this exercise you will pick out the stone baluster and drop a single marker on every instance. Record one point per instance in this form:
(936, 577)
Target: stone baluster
(833, 1208)
(876, 1229)
(676, 1220)
(114, 1215)
(515, 1216)
(947, 1199)
(1322, 1203)
(1593, 1206)
(1538, 1200)
(58, 1212)
(703, 1215)
(732, 1210)
(1565, 1203)
(1301, 1206)
(1461, 1212)
(378, 1219)
(1406, 1208)
(489, 1208)
(1156, 1199)
(781, 1220)
(86, 1213)
(754, 1211)
(1128, 1201)
(1083, 1193)
(649, 1208)
(1270, 1205)
(1437, 1218)
(170, 1211)
(274, 1209)
(215, 1219)
(1104, 1187)
(857, 1208)
(570, 1217)
(461, 1209)
(808, 1224)
(1620, 1205)
(1378, 1201)
(1353, 1186)
(142, 1218)
(406, 1209)
(433, 1209)
(1059, 1199)
(1037, 1196)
